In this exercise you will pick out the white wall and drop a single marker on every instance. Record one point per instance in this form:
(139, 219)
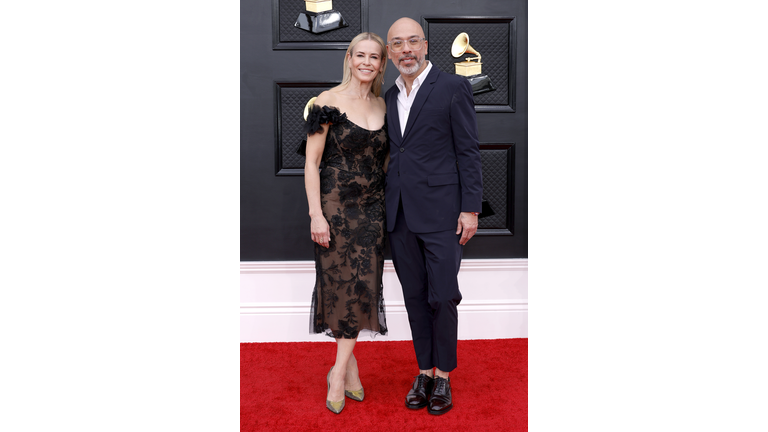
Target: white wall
(275, 298)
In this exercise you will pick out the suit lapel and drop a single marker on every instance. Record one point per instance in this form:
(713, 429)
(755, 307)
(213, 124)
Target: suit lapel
(421, 98)
(393, 114)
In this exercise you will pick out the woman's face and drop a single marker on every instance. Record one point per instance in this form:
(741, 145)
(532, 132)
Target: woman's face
(365, 60)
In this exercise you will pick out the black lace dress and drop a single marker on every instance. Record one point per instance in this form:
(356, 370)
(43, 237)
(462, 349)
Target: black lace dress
(348, 291)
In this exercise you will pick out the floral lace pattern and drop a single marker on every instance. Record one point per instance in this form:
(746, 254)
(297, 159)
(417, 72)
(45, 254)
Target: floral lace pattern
(348, 291)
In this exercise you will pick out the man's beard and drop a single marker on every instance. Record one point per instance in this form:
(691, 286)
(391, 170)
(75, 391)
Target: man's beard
(410, 70)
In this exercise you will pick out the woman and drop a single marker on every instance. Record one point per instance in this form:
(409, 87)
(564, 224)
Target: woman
(346, 131)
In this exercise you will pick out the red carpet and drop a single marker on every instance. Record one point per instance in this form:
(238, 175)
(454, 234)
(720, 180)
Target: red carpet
(282, 387)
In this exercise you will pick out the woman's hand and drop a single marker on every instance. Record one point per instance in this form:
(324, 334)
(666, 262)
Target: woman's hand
(321, 233)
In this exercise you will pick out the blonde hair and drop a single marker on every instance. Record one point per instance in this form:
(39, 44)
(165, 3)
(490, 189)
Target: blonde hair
(379, 80)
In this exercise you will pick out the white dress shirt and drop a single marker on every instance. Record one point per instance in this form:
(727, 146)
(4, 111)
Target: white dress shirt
(404, 101)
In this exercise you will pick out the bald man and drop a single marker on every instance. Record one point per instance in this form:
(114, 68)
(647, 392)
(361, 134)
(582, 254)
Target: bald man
(433, 197)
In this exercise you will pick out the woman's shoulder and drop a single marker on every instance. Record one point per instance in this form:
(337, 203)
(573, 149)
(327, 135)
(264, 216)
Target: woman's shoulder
(382, 104)
(327, 98)
(322, 111)
(328, 101)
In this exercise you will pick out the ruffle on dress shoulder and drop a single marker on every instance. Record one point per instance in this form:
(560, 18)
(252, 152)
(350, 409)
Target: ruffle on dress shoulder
(322, 115)
(317, 116)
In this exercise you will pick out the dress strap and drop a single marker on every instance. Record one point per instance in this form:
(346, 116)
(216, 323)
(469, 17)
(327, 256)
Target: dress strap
(319, 115)
(322, 115)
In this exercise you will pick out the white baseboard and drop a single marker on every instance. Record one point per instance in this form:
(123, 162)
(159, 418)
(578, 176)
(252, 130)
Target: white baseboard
(275, 301)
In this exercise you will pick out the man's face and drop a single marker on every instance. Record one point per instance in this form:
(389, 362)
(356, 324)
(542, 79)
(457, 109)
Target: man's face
(410, 59)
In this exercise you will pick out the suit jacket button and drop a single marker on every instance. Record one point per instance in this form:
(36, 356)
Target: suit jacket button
(402, 149)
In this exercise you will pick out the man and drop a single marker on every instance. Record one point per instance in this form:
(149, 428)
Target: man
(433, 196)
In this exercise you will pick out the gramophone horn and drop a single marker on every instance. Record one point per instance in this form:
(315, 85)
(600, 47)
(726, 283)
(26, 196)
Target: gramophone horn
(308, 107)
(461, 45)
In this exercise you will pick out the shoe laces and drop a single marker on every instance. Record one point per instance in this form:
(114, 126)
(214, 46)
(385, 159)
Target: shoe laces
(420, 380)
(440, 384)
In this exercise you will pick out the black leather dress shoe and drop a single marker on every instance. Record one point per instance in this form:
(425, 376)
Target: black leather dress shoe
(440, 402)
(418, 396)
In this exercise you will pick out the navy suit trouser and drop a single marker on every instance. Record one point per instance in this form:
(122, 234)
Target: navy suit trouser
(427, 265)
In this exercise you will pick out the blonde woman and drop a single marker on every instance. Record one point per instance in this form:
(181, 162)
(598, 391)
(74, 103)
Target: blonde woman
(346, 132)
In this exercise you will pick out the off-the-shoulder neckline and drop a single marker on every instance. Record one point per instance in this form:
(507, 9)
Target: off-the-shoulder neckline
(355, 124)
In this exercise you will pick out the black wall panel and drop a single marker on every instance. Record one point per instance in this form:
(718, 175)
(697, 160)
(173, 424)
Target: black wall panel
(274, 223)
(492, 37)
(290, 102)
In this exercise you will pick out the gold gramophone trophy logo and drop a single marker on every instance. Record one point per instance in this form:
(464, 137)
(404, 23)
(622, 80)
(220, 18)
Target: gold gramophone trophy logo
(320, 17)
(308, 107)
(471, 67)
(302, 150)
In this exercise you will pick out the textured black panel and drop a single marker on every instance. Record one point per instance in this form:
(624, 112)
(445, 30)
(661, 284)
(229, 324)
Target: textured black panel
(493, 38)
(287, 36)
(289, 120)
(495, 171)
(274, 217)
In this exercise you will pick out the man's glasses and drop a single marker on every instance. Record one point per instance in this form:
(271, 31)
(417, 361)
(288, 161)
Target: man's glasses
(397, 45)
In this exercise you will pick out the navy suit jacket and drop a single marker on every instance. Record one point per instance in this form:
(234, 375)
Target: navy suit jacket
(435, 165)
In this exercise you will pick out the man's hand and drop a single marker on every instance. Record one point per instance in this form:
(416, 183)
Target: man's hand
(467, 227)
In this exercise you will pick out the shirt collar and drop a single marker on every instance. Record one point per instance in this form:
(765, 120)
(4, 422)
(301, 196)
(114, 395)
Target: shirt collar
(416, 82)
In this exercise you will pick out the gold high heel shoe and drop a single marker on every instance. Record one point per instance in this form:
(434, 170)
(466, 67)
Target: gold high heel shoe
(335, 407)
(357, 395)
